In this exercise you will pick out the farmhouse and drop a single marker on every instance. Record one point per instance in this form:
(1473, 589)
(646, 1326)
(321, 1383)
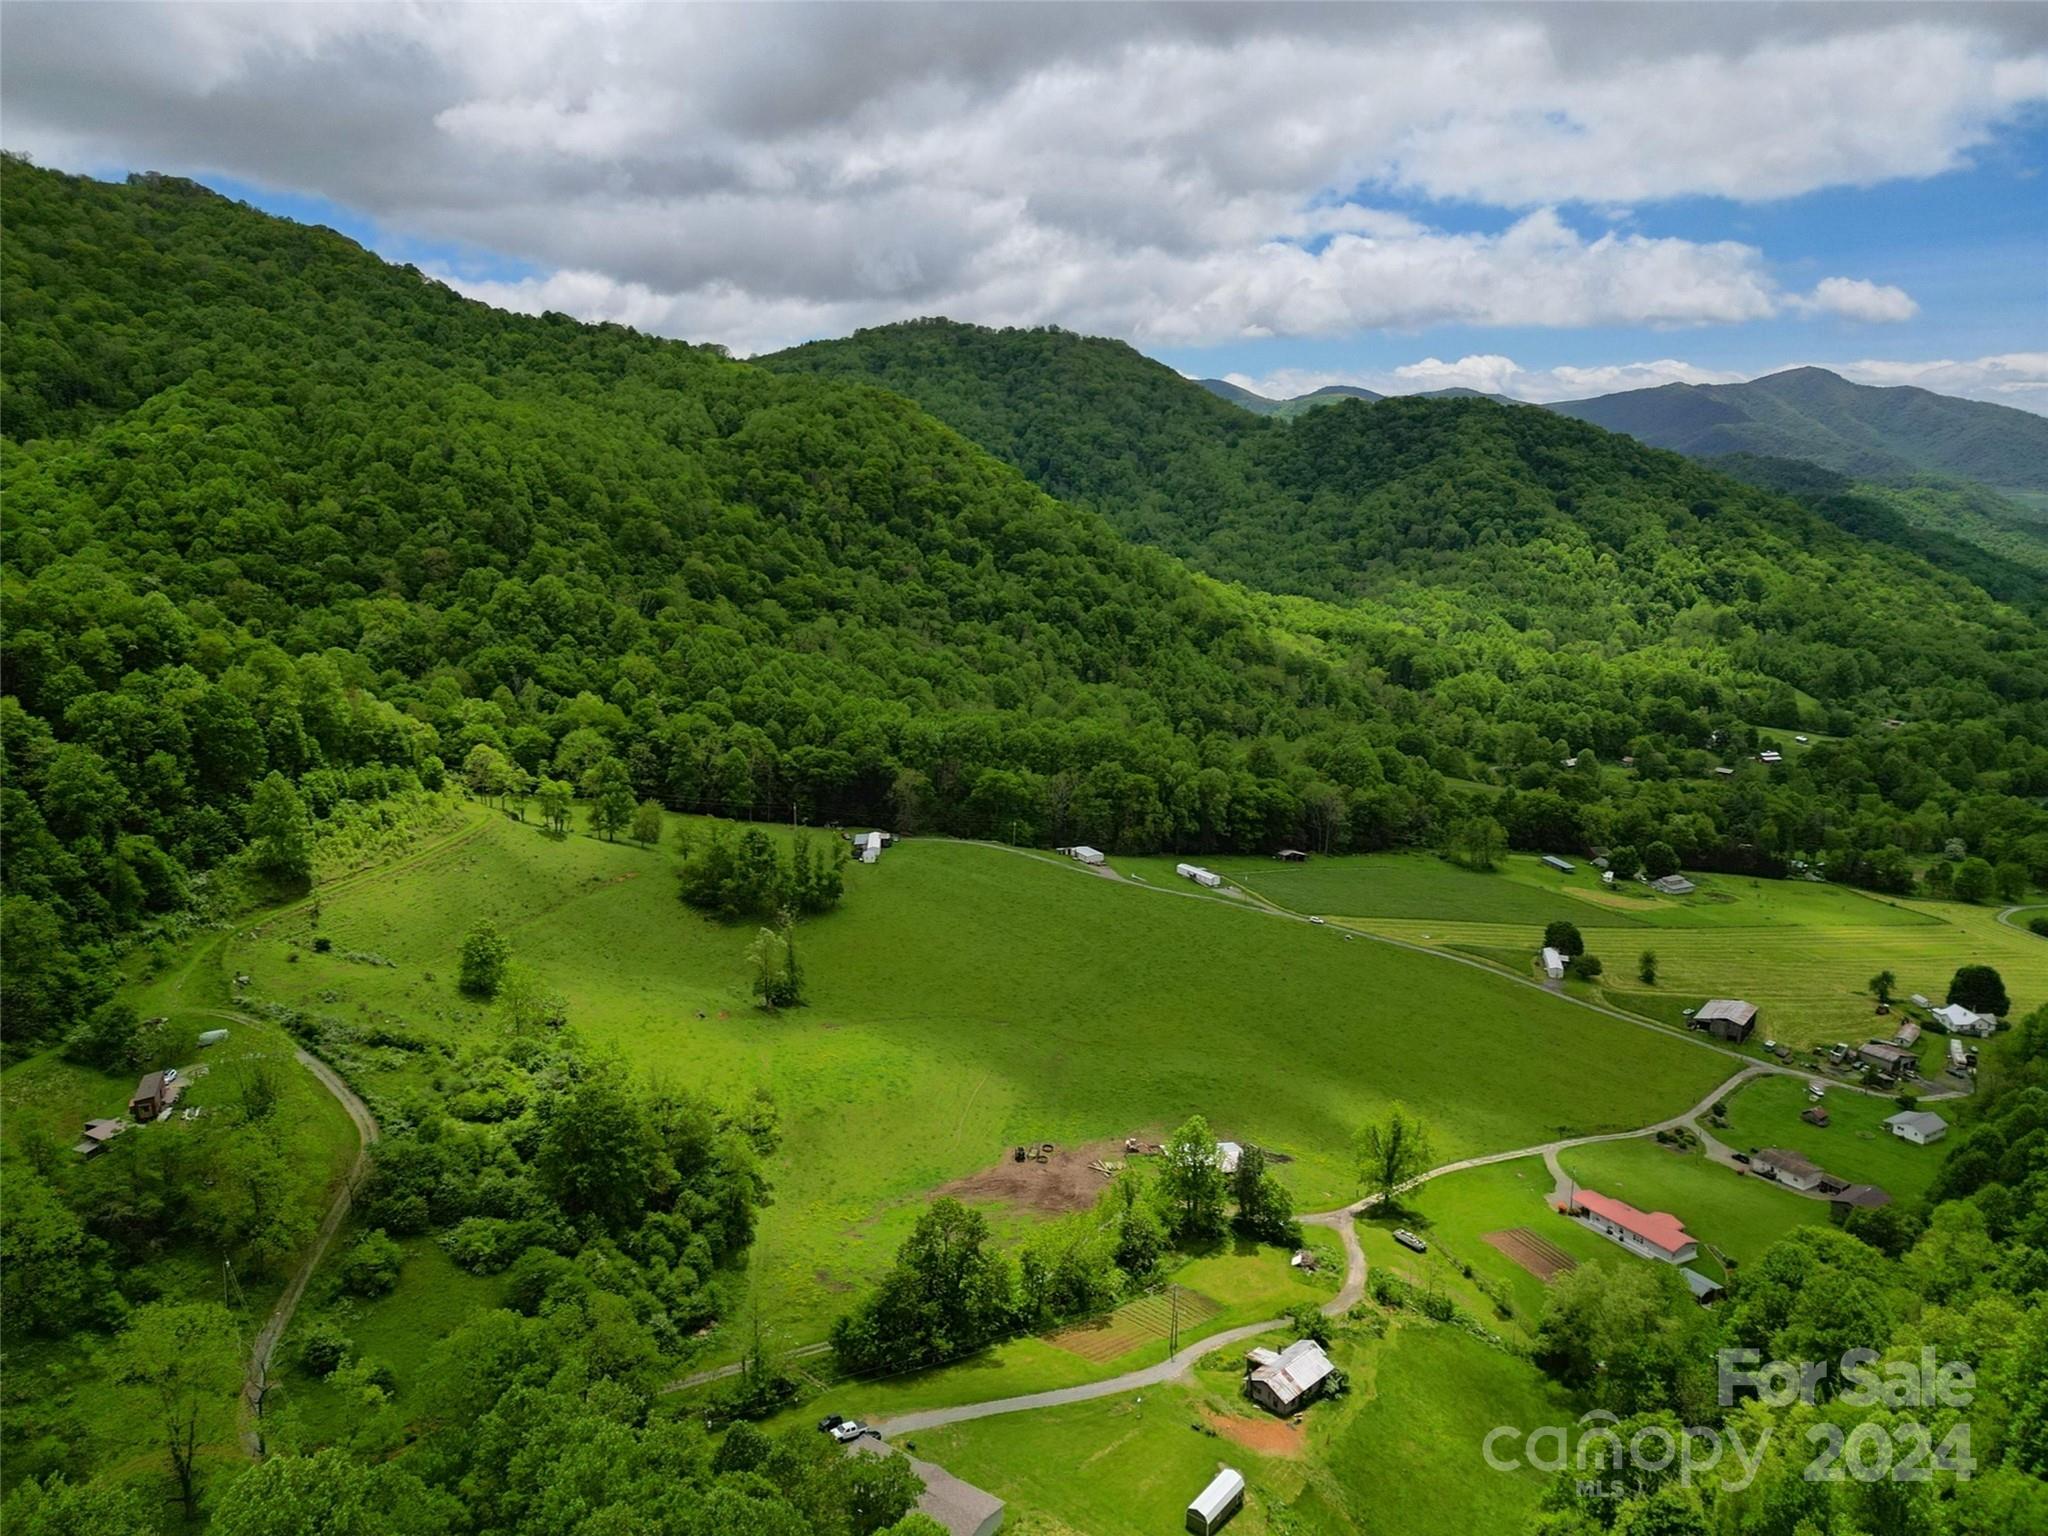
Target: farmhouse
(154, 1095)
(1290, 1379)
(1726, 1018)
(97, 1134)
(1291, 856)
(962, 1508)
(1553, 962)
(1215, 1504)
(1652, 1234)
(1887, 1059)
(1918, 1126)
(1083, 854)
(1788, 1168)
(1958, 1020)
(1674, 885)
(1562, 866)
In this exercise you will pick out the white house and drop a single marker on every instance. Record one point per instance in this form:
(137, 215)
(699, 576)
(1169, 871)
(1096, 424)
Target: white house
(1228, 1155)
(1651, 1234)
(1553, 962)
(1788, 1168)
(1215, 1504)
(1958, 1020)
(1918, 1126)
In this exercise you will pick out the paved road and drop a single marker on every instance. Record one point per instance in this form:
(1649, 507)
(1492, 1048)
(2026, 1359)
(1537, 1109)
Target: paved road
(2006, 915)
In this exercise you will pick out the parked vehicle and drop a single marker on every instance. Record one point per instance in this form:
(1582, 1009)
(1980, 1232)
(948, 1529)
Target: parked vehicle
(1409, 1240)
(830, 1422)
(849, 1430)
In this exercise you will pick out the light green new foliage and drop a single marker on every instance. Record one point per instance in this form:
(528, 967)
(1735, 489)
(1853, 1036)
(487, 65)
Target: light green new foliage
(963, 1000)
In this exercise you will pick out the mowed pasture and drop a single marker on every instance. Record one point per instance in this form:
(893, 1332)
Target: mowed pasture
(1802, 951)
(965, 999)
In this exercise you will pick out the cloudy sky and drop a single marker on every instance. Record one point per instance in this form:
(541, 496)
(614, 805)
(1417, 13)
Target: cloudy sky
(1544, 201)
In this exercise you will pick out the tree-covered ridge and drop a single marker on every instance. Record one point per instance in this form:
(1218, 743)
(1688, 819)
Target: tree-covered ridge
(1890, 434)
(274, 505)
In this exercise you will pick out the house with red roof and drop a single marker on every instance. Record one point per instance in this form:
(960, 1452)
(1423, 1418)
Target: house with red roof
(1652, 1234)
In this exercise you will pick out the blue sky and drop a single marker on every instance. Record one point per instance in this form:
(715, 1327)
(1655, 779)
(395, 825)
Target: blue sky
(1546, 201)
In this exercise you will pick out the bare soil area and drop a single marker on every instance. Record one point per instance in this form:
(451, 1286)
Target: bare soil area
(1064, 1182)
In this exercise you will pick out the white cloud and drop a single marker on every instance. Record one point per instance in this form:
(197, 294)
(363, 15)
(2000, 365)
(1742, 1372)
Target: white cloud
(1175, 175)
(2015, 378)
(1855, 299)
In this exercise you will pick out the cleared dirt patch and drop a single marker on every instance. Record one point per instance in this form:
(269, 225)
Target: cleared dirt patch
(1064, 1182)
(1268, 1436)
(1146, 1320)
(1541, 1257)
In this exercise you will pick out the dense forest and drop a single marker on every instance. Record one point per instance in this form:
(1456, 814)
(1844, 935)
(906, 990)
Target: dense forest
(291, 532)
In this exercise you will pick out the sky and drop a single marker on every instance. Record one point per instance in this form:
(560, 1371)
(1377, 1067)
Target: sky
(1548, 202)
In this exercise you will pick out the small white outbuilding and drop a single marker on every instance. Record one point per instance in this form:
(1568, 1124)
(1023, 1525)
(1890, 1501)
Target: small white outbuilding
(1085, 854)
(1215, 1504)
(1553, 962)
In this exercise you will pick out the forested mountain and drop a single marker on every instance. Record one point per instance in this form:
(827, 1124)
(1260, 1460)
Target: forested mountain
(1859, 430)
(290, 530)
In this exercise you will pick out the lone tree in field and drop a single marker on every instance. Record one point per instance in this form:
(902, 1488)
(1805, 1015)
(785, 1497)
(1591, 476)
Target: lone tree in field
(1479, 841)
(1191, 1183)
(611, 792)
(555, 796)
(1646, 967)
(1390, 1153)
(1881, 987)
(484, 954)
(180, 1359)
(1563, 936)
(647, 823)
(1980, 989)
(778, 978)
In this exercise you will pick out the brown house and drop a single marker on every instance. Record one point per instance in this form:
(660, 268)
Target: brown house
(153, 1095)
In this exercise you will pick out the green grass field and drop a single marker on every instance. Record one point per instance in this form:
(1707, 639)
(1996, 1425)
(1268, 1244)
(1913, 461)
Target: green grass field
(1854, 1146)
(1400, 1456)
(965, 999)
(1455, 1213)
(1735, 1213)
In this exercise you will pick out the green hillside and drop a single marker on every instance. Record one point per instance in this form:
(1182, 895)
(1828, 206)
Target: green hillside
(1855, 429)
(1513, 568)
(1329, 394)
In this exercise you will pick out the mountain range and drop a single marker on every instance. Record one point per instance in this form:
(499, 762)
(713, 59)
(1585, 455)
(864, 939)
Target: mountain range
(1893, 434)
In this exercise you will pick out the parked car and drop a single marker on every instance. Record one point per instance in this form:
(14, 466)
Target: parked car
(1317, 921)
(1409, 1240)
(830, 1422)
(1741, 1157)
(849, 1430)
(170, 1074)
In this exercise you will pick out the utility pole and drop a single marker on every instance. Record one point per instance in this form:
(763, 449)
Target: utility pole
(1173, 1325)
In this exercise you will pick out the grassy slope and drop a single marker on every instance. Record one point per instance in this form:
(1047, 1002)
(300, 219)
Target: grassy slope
(966, 999)
(1401, 1455)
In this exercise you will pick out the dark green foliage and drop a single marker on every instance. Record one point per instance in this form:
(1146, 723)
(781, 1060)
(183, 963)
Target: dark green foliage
(1264, 1208)
(2038, 925)
(1980, 989)
(1564, 937)
(485, 953)
(738, 875)
(1646, 968)
(1587, 967)
(280, 840)
(371, 1265)
(323, 1349)
(108, 1039)
(947, 1294)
